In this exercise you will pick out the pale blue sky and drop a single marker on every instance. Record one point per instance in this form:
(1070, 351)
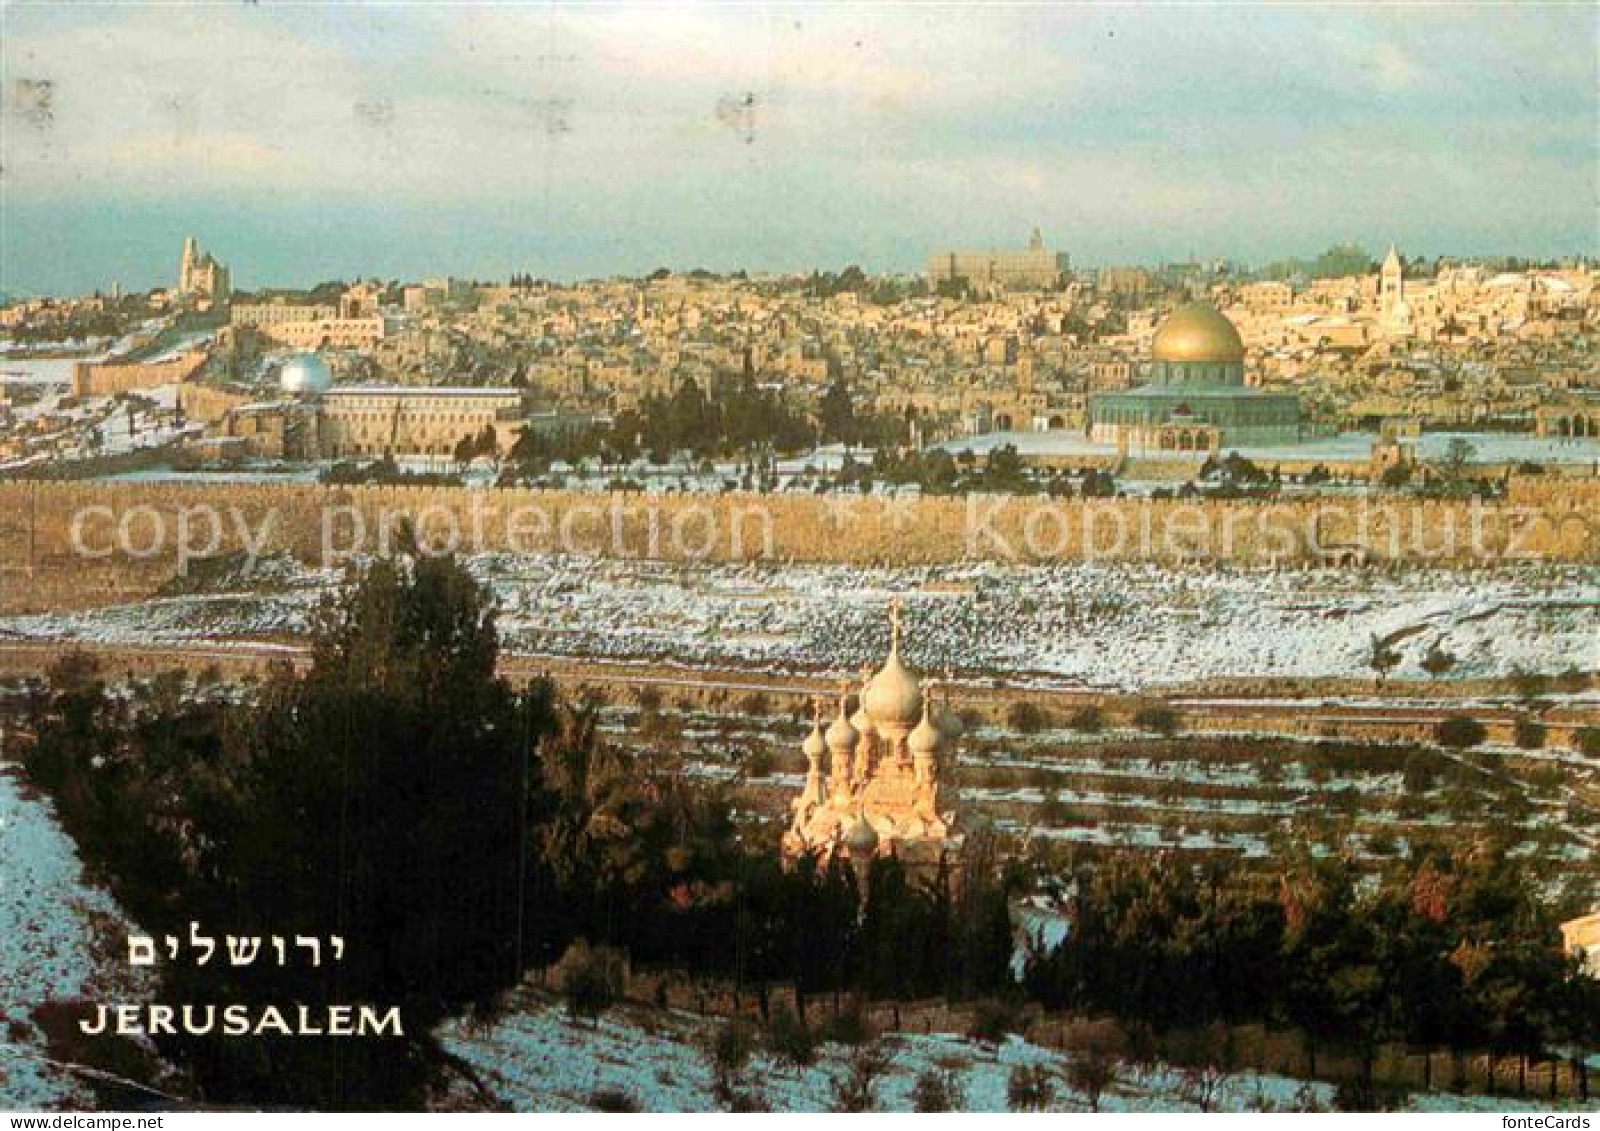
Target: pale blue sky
(302, 142)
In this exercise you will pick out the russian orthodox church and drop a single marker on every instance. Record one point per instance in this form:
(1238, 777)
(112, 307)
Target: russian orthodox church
(878, 775)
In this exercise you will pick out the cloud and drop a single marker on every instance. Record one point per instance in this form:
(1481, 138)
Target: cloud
(757, 133)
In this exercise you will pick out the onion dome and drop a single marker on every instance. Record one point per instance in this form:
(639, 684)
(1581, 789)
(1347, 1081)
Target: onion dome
(925, 739)
(815, 746)
(861, 720)
(894, 697)
(861, 838)
(841, 735)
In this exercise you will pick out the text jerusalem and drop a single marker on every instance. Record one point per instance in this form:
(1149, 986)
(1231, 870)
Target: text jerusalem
(238, 1020)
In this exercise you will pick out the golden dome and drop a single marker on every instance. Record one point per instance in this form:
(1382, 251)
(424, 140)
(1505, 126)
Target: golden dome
(894, 697)
(861, 720)
(1197, 332)
(861, 839)
(841, 735)
(814, 747)
(925, 738)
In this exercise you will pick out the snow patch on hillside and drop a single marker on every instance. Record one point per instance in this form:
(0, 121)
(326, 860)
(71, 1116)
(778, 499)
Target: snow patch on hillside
(46, 952)
(1092, 625)
(537, 1059)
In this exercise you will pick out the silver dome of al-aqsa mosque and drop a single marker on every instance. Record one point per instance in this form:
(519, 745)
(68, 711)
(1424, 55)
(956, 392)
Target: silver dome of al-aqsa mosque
(305, 375)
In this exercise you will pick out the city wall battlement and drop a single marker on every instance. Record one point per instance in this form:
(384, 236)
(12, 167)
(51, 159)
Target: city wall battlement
(86, 529)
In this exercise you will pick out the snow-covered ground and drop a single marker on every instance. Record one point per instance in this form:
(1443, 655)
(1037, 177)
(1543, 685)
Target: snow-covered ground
(47, 943)
(1098, 624)
(536, 1059)
(1348, 447)
(40, 370)
(1214, 794)
(1101, 624)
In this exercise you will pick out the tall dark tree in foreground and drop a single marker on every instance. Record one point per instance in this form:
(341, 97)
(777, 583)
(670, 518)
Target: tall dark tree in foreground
(380, 799)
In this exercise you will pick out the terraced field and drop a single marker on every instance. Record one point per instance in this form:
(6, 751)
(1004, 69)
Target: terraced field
(1245, 796)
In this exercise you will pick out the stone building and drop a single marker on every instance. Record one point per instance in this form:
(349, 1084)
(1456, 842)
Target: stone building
(1035, 267)
(1573, 418)
(263, 315)
(1582, 938)
(877, 776)
(1393, 309)
(310, 326)
(1194, 398)
(400, 420)
(355, 323)
(201, 278)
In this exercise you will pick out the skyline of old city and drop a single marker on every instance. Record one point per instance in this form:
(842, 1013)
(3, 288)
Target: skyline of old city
(914, 558)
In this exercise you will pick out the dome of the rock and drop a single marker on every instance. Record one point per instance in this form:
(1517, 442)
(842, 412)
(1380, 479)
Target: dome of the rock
(1197, 332)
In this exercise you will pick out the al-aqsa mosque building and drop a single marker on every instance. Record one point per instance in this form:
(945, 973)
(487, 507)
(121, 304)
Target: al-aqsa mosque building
(1194, 398)
(876, 776)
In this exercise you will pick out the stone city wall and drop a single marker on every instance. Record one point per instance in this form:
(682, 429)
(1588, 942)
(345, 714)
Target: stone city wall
(1556, 494)
(104, 379)
(70, 525)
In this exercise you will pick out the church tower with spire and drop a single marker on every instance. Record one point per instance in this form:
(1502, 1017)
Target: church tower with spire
(1393, 310)
(201, 278)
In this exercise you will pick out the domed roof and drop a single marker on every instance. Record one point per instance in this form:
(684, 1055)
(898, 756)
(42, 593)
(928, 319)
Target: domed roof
(305, 374)
(861, 720)
(861, 836)
(841, 735)
(926, 738)
(814, 746)
(1197, 332)
(894, 696)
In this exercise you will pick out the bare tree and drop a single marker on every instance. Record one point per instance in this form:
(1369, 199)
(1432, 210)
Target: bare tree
(1207, 1055)
(1096, 1059)
(1030, 1088)
(856, 1088)
(938, 1090)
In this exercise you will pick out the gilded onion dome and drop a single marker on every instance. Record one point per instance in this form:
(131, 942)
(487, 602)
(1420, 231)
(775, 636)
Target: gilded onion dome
(894, 697)
(925, 739)
(841, 736)
(815, 746)
(862, 720)
(861, 838)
